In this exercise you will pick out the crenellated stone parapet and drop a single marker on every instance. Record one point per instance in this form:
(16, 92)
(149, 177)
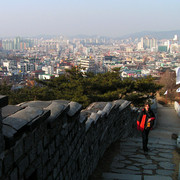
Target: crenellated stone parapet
(3, 102)
(60, 140)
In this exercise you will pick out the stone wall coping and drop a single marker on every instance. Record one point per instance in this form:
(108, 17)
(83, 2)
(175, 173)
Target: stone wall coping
(56, 108)
(33, 113)
(74, 108)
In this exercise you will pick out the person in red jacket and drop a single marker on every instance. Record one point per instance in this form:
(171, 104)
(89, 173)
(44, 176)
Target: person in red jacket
(145, 123)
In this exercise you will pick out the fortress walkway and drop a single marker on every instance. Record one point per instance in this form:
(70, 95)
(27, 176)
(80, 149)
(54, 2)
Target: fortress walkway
(125, 159)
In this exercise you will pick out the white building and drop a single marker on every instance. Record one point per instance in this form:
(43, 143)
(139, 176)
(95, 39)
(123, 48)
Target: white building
(48, 69)
(88, 64)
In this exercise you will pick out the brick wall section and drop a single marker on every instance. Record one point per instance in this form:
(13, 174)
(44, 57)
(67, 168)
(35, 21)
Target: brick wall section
(59, 140)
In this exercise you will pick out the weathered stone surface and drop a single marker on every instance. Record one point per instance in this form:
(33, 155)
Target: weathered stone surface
(166, 155)
(133, 168)
(164, 172)
(94, 117)
(9, 110)
(121, 176)
(18, 150)
(82, 118)
(9, 134)
(118, 102)
(14, 174)
(24, 163)
(23, 117)
(88, 123)
(147, 172)
(67, 151)
(56, 109)
(36, 104)
(157, 177)
(74, 108)
(0, 168)
(167, 165)
(124, 105)
(150, 166)
(38, 120)
(8, 160)
(107, 108)
(126, 171)
(117, 165)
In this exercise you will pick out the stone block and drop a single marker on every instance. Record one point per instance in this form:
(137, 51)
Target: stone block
(30, 172)
(124, 105)
(107, 108)
(36, 104)
(32, 154)
(74, 108)
(22, 165)
(38, 120)
(56, 109)
(39, 133)
(45, 172)
(89, 123)
(58, 140)
(39, 147)
(50, 177)
(55, 173)
(18, 150)
(45, 157)
(20, 118)
(14, 174)
(46, 140)
(56, 157)
(9, 110)
(0, 168)
(10, 135)
(82, 118)
(39, 172)
(8, 160)
(28, 141)
(51, 148)
(94, 116)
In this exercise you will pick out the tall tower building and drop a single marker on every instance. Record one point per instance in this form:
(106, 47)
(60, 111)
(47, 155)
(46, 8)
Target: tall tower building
(0, 44)
(17, 43)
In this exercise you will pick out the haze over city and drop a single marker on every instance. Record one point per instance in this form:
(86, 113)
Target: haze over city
(113, 18)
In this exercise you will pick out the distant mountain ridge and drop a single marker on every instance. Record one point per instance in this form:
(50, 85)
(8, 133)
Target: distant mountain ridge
(153, 34)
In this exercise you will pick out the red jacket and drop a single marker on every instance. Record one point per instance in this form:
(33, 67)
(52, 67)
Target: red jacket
(143, 119)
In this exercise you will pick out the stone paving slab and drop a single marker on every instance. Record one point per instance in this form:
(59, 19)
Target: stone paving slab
(108, 176)
(131, 162)
(157, 178)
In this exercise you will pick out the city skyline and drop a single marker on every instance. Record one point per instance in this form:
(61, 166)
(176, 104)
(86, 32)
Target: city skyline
(107, 18)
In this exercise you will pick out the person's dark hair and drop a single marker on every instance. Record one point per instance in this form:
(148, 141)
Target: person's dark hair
(147, 103)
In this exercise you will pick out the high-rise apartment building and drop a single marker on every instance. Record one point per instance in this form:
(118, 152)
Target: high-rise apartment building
(0, 44)
(147, 43)
(16, 44)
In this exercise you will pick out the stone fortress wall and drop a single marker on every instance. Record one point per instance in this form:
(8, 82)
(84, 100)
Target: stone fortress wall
(58, 139)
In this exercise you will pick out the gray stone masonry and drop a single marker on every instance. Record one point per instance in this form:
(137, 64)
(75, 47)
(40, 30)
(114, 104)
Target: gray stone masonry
(3, 102)
(58, 140)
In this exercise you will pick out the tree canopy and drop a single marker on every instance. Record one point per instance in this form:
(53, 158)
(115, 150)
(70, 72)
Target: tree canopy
(85, 88)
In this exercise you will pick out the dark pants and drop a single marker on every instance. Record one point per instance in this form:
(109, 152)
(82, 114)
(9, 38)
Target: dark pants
(145, 134)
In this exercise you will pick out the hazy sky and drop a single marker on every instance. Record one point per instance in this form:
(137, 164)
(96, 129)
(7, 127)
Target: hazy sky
(100, 17)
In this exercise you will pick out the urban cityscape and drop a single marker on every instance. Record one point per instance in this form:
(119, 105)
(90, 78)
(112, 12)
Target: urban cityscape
(89, 90)
(24, 59)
